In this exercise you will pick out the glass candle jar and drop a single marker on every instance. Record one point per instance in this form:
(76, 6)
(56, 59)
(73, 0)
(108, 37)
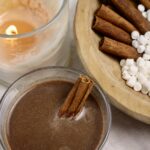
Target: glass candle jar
(45, 75)
(33, 34)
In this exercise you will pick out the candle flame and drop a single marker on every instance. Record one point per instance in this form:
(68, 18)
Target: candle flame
(11, 30)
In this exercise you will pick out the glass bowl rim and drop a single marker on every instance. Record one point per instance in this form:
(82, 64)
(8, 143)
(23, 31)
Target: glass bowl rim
(40, 29)
(72, 70)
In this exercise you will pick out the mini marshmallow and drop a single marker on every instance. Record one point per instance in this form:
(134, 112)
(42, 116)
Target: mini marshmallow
(146, 56)
(140, 62)
(147, 35)
(131, 82)
(143, 70)
(141, 49)
(137, 87)
(142, 40)
(130, 62)
(122, 62)
(125, 68)
(147, 49)
(133, 70)
(135, 35)
(135, 43)
(148, 65)
(147, 85)
(141, 78)
(141, 8)
(125, 75)
(148, 11)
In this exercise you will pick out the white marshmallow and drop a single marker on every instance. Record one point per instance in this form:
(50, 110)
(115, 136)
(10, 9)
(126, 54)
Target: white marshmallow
(148, 65)
(141, 78)
(125, 68)
(137, 86)
(143, 70)
(135, 43)
(144, 14)
(125, 75)
(147, 35)
(140, 62)
(130, 62)
(141, 49)
(147, 49)
(141, 8)
(147, 85)
(142, 40)
(122, 62)
(133, 70)
(131, 82)
(146, 56)
(135, 35)
(148, 11)
(144, 88)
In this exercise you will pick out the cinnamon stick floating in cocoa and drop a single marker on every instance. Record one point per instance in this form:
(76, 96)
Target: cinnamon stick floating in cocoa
(132, 14)
(84, 98)
(110, 30)
(69, 98)
(111, 16)
(77, 97)
(118, 49)
(146, 3)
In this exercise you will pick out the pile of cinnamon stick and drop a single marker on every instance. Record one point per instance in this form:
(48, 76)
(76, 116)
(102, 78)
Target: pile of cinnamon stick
(116, 20)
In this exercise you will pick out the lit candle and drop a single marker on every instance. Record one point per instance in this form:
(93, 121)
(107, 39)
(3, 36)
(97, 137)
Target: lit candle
(32, 35)
(11, 30)
(17, 46)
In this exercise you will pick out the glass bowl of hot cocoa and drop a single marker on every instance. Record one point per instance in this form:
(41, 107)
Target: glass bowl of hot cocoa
(54, 108)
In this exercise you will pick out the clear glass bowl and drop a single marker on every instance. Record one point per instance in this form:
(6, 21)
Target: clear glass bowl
(44, 45)
(25, 82)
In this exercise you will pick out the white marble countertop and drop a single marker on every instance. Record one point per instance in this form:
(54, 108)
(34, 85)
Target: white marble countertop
(126, 133)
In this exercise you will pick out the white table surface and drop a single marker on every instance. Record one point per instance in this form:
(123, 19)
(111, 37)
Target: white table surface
(126, 133)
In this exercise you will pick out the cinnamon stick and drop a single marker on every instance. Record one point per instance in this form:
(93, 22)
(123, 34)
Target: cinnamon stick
(69, 98)
(76, 97)
(111, 16)
(132, 14)
(85, 97)
(146, 3)
(118, 49)
(110, 30)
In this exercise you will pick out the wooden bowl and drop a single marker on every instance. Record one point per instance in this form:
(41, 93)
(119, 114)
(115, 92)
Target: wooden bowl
(105, 69)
